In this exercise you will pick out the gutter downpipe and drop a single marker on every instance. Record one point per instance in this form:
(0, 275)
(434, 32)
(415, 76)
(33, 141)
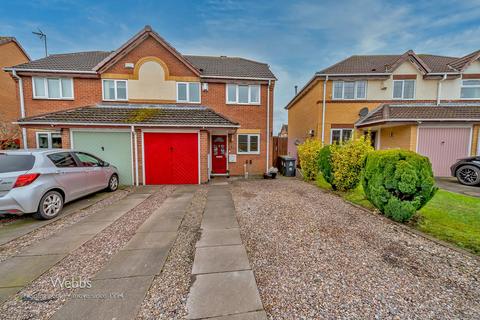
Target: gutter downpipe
(22, 105)
(439, 88)
(323, 108)
(135, 147)
(268, 128)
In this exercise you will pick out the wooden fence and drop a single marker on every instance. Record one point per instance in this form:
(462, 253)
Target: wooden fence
(280, 148)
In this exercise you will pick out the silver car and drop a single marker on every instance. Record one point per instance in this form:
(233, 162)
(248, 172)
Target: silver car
(40, 181)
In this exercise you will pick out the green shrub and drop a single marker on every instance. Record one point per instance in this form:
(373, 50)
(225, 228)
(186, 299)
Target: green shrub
(347, 162)
(398, 182)
(308, 153)
(325, 163)
(322, 183)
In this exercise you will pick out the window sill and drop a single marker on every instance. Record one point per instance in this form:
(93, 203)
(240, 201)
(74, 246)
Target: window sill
(248, 153)
(58, 99)
(189, 102)
(117, 100)
(243, 104)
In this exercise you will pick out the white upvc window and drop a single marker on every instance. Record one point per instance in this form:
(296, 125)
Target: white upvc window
(349, 90)
(248, 143)
(470, 89)
(52, 88)
(49, 140)
(188, 92)
(340, 135)
(243, 94)
(114, 90)
(403, 89)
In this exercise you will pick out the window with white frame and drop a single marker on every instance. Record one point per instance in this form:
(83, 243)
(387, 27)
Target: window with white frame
(470, 89)
(349, 90)
(243, 93)
(114, 90)
(340, 135)
(188, 92)
(403, 89)
(248, 143)
(52, 88)
(49, 140)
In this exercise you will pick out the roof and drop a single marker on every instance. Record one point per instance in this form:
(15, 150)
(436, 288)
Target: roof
(205, 66)
(78, 61)
(4, 40)
(137, 114)
(359, 64)
(234, 67)
(421, 112)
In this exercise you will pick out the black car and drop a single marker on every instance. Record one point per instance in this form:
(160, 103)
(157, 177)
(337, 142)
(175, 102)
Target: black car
(467, 171)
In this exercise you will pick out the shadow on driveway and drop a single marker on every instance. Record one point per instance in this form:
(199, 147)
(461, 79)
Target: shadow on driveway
(451, 184)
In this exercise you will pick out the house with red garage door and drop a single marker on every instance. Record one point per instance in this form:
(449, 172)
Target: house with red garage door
(160, 116)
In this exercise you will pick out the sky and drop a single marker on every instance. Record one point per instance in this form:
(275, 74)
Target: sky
(296, 38)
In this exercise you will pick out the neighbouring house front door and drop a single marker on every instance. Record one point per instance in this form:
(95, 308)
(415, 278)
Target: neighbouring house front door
(219, 154)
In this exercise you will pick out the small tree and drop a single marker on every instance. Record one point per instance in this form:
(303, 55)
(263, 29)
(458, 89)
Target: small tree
(325, 162)
(398, 182)
(9, 134)
(348, 161)
(308, 153)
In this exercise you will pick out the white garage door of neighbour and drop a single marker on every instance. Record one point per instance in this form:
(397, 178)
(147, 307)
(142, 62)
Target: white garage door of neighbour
(443, 146)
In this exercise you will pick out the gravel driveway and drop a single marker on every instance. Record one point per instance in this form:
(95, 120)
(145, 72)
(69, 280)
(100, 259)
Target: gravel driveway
(315, 256)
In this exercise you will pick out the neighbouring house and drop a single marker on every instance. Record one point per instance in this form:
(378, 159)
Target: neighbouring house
(421, 102)
(283, 131)
(160, 116)
(11, 53)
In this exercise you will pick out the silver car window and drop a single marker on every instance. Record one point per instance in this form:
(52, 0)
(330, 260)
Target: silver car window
(62, 160)
(87, 160)
(15, 162)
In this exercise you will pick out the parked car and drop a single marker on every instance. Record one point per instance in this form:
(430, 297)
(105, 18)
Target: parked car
(467, 171)
(41, 181)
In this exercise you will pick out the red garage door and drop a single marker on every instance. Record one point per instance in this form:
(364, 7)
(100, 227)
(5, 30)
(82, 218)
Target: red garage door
(171, 158)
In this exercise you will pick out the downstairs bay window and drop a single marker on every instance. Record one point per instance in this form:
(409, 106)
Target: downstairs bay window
(248, 143)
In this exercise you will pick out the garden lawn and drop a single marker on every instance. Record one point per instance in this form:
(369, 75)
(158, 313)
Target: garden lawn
(452, 217)
(448, 216)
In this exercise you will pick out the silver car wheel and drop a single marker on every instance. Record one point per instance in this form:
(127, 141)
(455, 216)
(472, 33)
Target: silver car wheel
(52, 205)
(113, 183)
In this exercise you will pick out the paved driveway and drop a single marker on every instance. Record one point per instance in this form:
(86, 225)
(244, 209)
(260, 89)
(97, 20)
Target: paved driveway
(451, 184)
(315, 256)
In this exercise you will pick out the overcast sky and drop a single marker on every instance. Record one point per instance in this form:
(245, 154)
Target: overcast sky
(296, 38)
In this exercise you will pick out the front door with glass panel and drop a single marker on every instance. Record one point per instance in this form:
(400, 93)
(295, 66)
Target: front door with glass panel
(219, 154)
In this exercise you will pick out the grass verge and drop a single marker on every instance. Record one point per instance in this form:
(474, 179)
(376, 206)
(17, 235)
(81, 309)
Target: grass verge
(449, 216)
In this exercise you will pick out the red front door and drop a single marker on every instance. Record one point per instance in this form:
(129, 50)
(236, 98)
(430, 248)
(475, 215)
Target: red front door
(219, 154)
(171, 158)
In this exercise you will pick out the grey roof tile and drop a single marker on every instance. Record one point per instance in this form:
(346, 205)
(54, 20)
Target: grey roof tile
(422, 111)
(78, 61)
(148, 114)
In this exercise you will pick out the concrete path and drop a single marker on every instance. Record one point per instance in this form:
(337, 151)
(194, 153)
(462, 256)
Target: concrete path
(451, 184)
(23, 226)
(119, 289)
(27, 266)
(224, 286)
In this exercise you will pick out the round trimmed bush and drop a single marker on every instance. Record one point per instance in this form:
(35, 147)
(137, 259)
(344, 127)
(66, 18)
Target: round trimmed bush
(398, 182)
(308, 153)
(325, 163)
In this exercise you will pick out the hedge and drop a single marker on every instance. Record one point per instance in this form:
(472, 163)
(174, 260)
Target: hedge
(308, 153)
(325, 163)
(398, 182)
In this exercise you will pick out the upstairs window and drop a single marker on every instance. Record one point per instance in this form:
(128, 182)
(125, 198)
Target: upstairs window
(243, 94)
(188, 92)
(114, 90)
(470, 89)
(52, 88)
(349, 90)
(403, 89)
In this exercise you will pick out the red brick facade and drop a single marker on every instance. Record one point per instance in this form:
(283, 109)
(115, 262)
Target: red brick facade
(88, 91)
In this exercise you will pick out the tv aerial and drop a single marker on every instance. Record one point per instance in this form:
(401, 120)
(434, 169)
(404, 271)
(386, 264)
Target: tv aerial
(43, 37)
